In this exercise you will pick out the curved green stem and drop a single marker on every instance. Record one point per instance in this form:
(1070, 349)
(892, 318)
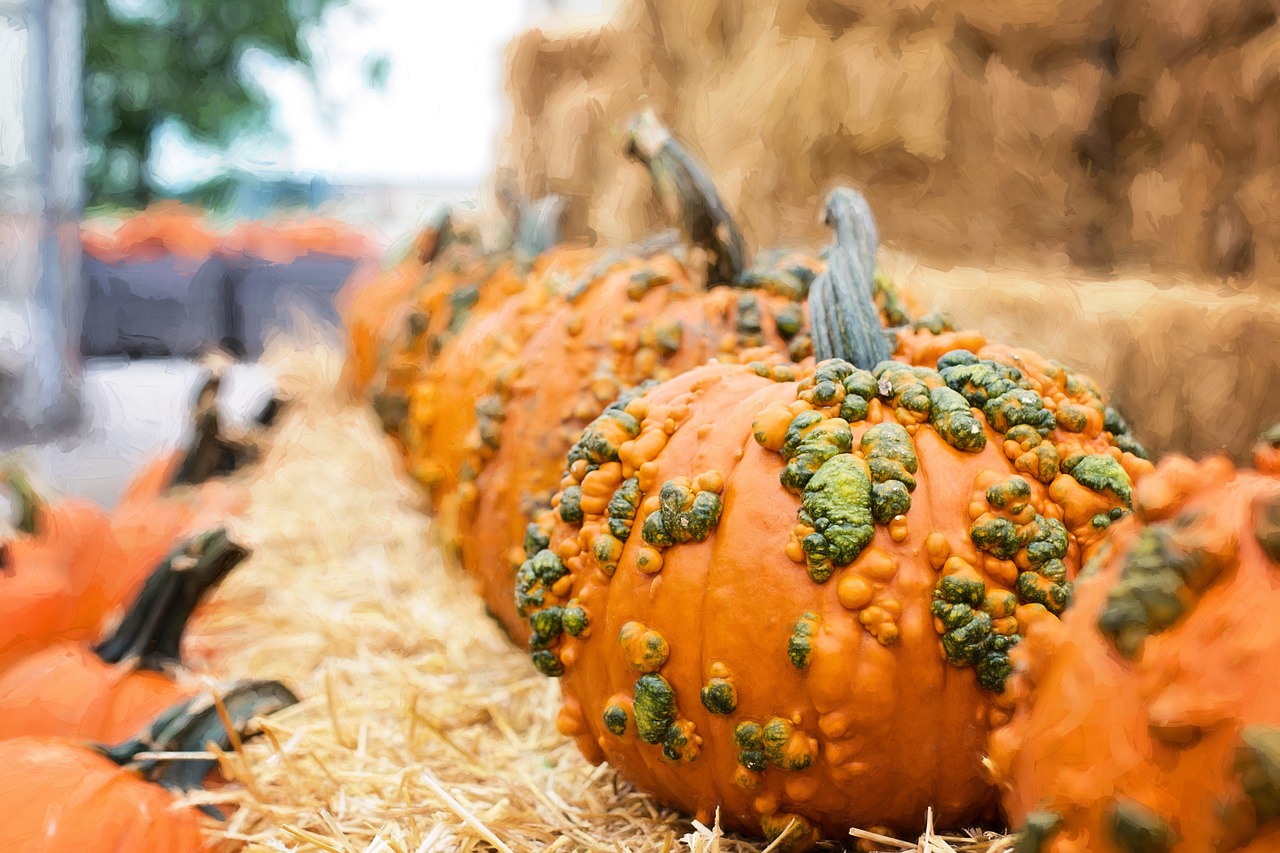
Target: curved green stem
(29, 503)
(689, 195)
(538, 228)
(191, 725)
(842, 309)
(152, 628)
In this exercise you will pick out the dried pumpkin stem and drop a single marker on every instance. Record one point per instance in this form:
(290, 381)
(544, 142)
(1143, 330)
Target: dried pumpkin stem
(686, 190)
(538, 228)
(842, 306)
(29, 503)
(152, 628)
(187, 728)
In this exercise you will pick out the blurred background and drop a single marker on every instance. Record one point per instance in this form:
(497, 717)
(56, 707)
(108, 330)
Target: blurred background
(1091, 178)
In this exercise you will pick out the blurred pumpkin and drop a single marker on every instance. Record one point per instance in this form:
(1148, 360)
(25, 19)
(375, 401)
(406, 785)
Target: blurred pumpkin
(57, 571)
(789, 593)
(77, 796)
(107, 691)
(1148, 718)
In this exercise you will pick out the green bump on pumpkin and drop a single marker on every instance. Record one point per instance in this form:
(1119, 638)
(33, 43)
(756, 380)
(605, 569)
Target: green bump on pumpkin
(1152, 592)
(1136, 829)
(719, 696)
(1071, 417)
(996, 536)
(976, 380)
(643, 281)
(819, 443)
(1129, 444)
(890, 454)
(1101, 521)
(536, 575)
(861, 383)
(797, 430)
(682, 515)
(668, 336)
(535, 539)
(837, 505)
(607, 549)
(935, 322)
(679, 743)
(886, 293)
(1257, 764)
(750, 332)
(616, 720)
(903, 386)
(1114, 422)
(546, 626)
(574, 619)
(571, 505)
(953, 419)
(968, 638)
(1101, 473)
(596, 445)
(1017, 407)
(1047, 586)
(1010, 494)
(787, 833)
(889, 499)
(548, 663)
(1046, 539)
(622, 508)
(655, 707)
(789, 321)
(1040, 827)
(799, 646)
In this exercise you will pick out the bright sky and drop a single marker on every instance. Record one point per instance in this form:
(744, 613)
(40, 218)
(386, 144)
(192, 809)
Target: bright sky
(437, 120)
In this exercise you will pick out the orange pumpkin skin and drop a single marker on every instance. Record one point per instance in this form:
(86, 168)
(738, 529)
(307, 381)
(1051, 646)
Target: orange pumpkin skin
(723, 652)
(643, 319)
(73, 798)
(67, 690)
(1150, 711)
(55, 583)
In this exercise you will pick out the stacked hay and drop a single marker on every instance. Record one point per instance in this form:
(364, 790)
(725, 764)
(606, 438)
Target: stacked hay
(1197, 122)
(1114, 133)
(962, 121)
(1194, 372)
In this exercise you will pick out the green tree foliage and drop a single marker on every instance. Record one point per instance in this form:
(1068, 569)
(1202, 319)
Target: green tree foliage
(148, 62)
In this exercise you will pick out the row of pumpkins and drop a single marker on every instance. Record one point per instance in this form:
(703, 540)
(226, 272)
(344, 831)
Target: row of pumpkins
(93, 687)
(804, 560)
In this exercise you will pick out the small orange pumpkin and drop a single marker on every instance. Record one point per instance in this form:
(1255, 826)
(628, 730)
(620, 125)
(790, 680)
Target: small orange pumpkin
(1149, 718)
(107, 691)
(76, 796)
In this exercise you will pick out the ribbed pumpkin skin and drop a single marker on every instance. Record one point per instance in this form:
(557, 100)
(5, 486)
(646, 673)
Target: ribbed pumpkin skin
(862, 718)
(1157, 726)
(583, 353)
(66, 797)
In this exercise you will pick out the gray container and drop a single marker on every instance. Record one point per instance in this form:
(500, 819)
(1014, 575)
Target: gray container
(267, 295)
(157, 308)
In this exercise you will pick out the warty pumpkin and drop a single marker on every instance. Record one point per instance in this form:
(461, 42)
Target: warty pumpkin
(107, 691)
(77, 796)
(793, 592)
(1149, 718)
(633, 318)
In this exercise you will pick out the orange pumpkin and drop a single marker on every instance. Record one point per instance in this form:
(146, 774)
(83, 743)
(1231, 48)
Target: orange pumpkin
(55, 573)
(107, 691)
(1149, 717)
(74, 796)
(793, 591)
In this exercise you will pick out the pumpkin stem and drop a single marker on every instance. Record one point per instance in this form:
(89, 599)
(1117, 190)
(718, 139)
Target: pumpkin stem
(842, 307)
(435, 236)
(538, 227)
(211, 454)
(152, 628)
(29, 503)
(689, 195)
(192, 724)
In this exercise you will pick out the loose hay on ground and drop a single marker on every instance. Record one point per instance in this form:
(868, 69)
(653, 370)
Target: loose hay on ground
(420, 728)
